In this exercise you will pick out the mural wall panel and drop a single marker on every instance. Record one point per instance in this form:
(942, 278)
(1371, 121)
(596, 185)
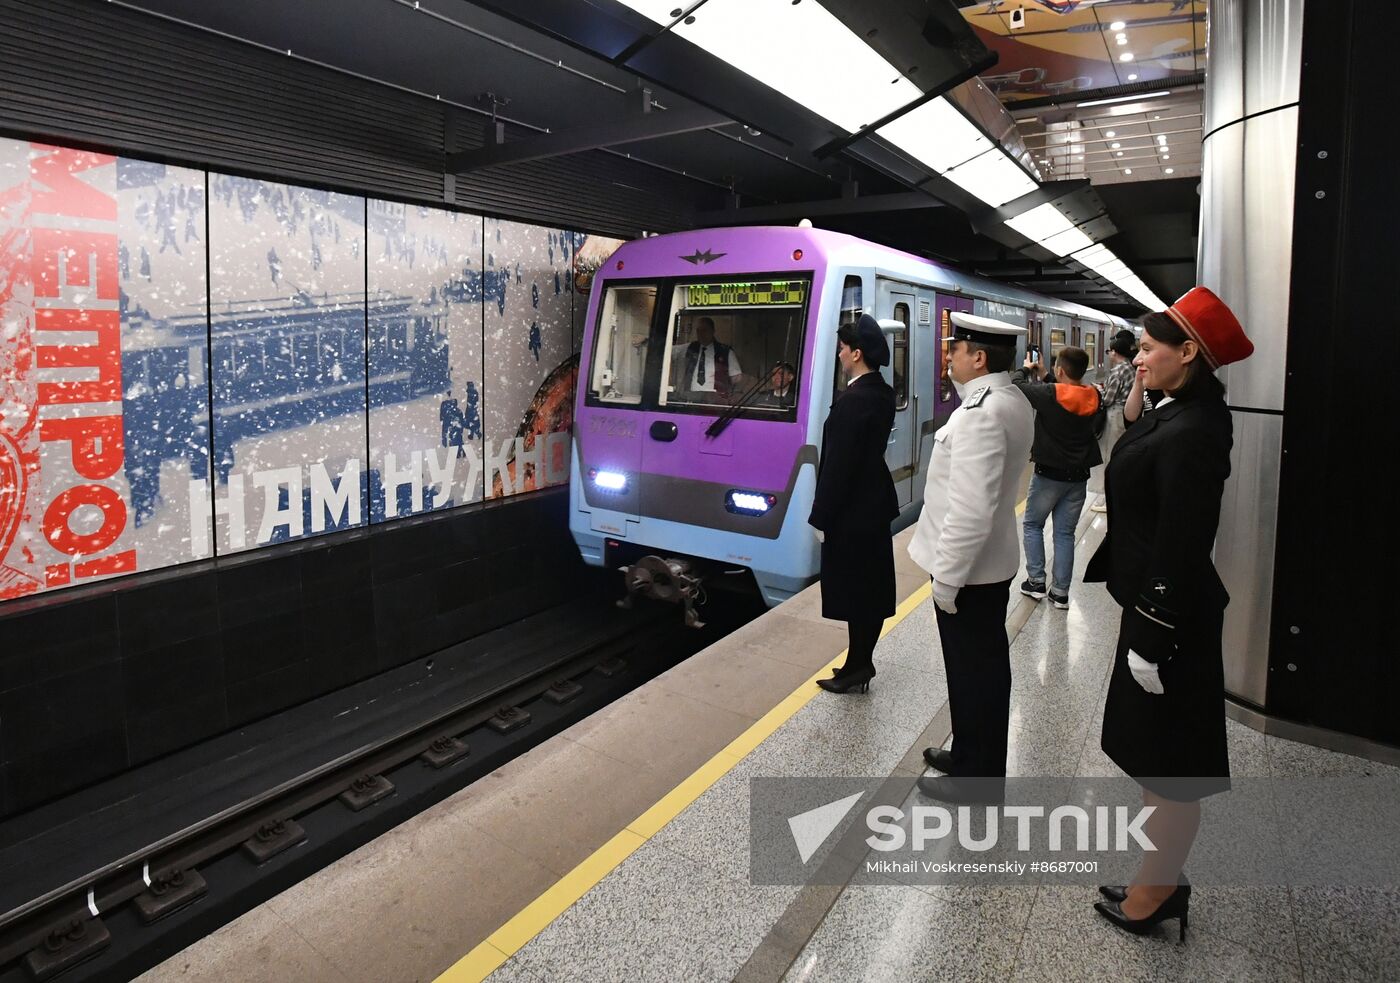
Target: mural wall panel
(426, 287)
(104, 442)
(529, 358)
(370, 360)
(287, 320)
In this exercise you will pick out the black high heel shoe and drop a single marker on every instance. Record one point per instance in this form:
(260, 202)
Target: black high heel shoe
(846, 682)
(1117, 892)
(1175, 906)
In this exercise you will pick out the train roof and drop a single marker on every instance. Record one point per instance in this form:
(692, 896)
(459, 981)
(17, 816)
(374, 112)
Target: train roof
(840, 247)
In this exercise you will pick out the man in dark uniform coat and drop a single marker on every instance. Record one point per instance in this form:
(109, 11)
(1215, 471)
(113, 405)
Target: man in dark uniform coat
(855, 503)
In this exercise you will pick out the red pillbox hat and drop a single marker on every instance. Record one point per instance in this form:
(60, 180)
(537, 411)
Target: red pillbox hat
(1212, 326)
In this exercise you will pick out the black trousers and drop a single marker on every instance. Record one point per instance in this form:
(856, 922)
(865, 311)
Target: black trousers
(977, 658)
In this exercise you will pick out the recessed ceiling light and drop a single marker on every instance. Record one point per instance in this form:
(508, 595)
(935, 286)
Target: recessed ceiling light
(1122, 39)
(1166, 156)
(1170, 171)
(1110, 134)
(1117, 25)
(1115, 145)
(1119, 154)
(1133, 78)
(1126, 56)
(1127, 170)
(1156, 117)
(1161, 138)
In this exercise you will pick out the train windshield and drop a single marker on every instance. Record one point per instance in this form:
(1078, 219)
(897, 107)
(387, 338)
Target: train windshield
(620, 351)
(701, 346)
(734, 342)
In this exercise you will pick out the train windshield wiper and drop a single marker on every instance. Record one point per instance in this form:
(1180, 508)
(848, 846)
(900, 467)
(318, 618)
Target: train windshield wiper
(727, 417)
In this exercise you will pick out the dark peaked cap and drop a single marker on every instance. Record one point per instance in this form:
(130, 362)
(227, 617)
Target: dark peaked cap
(985, 331)
(871, 341)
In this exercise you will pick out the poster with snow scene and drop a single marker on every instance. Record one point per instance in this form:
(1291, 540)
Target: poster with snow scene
(529, 357)
(287, 323)
(426, 287)
(104, 438)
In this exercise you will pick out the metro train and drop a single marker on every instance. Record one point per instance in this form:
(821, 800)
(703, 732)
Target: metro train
(681, 485)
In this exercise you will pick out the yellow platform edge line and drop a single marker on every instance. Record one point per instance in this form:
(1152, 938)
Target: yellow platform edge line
(511, 937)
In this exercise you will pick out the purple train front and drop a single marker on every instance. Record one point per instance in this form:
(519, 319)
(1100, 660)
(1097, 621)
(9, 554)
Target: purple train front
(708, 368)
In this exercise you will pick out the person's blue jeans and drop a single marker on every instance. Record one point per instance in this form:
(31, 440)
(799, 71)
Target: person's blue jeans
(1065, 500)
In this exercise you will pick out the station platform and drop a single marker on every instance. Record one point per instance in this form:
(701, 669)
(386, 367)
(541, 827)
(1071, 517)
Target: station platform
(619, 849)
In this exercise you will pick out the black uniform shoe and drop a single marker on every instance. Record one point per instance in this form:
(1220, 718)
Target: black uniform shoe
(968, 791)
(939, 759)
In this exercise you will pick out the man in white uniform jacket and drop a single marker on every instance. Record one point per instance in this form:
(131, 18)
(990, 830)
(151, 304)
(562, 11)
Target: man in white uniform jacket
(967, 540)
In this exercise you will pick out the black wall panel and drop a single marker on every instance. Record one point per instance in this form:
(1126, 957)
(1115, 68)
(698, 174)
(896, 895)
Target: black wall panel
(97, 679)
(1332, 651)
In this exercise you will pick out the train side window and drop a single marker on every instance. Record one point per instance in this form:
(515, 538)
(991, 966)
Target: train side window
(899, 357)
(945, 338)
(852, 306)
(618, 367)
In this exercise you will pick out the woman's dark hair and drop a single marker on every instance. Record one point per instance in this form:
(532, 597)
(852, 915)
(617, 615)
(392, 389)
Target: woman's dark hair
(851, 336)
(1201, 382)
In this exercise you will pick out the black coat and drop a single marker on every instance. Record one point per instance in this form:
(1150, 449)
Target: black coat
(856, 502)
(1164, 483)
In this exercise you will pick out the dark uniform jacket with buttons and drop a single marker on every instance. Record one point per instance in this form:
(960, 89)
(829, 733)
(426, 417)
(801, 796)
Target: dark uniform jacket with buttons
(1164, 484)
(855, 503)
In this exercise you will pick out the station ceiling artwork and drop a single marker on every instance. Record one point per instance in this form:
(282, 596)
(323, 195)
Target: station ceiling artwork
(1060, 48)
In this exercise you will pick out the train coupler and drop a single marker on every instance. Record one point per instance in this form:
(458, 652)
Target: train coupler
(671, 580)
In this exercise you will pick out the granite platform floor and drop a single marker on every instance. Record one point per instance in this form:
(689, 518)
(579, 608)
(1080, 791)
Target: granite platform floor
(682, 906)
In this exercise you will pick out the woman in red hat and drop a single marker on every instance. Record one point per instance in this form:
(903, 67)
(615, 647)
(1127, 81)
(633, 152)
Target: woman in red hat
(1164, 720)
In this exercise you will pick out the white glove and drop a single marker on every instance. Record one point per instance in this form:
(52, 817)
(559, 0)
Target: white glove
(821, 536)
(945, 597)
(1145, 673)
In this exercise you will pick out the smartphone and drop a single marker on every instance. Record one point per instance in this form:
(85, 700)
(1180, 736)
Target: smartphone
(1033, 353)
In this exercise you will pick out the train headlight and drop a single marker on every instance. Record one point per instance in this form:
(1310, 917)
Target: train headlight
(749, 503)
(614, 481)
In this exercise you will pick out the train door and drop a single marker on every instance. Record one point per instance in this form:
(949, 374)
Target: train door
(923, 379)
(896, 302)
(1033, 333)
(1075, 334)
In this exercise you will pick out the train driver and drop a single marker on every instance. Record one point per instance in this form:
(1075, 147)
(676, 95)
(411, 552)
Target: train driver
(708, 365)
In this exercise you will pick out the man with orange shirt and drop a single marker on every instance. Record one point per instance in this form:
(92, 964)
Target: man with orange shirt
(1064, 450)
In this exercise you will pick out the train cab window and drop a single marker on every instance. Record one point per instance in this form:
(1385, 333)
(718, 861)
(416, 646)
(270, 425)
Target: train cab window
(852, 307)
(735, 343)
(852, 304)
(618, 369)
(1057, 341)
(899, 357)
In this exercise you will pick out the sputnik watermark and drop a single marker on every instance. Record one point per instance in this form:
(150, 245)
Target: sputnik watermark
(1112, 828)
